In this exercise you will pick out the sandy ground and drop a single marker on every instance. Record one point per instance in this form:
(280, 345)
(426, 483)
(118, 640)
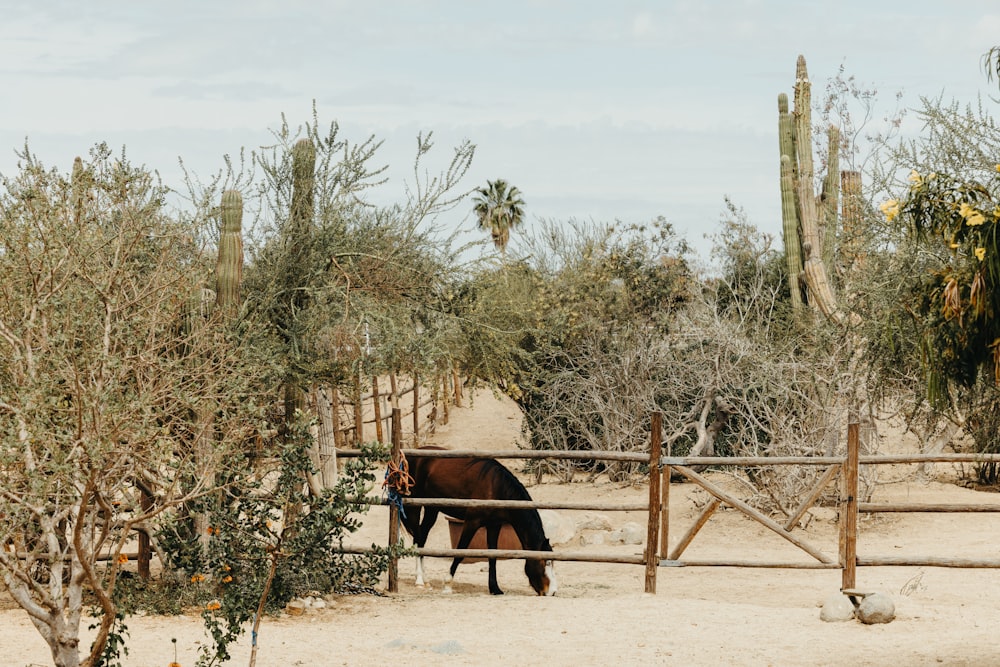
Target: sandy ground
(601, 616)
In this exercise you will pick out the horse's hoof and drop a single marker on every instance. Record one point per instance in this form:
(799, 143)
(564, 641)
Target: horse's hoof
(446, 589)
(496, 592)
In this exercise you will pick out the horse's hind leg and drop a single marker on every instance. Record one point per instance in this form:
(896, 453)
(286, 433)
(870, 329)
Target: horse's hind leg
(492, 540)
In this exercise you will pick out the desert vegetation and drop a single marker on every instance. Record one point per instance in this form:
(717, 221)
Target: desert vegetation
(176, 372)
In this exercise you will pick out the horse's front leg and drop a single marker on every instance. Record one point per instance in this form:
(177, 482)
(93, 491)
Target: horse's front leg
(423, 530)
(492, 540)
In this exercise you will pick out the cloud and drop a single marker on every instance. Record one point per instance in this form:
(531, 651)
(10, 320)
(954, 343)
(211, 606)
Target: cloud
(246, 91)
(643, 26)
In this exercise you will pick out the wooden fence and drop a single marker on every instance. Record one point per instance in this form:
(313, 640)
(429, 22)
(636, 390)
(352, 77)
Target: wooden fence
(362, 416)
(656, 553)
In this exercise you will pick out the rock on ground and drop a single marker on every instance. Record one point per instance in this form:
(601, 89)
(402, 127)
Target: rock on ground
(876, 608)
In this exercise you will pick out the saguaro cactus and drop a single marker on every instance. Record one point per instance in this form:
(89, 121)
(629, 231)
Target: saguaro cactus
(300, 222)
(79, 186)
(229, 264)
(303, 182)
(804, 216)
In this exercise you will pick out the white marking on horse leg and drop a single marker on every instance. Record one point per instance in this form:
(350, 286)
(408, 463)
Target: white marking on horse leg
(550, 572)
(447, 583)
(420, 571)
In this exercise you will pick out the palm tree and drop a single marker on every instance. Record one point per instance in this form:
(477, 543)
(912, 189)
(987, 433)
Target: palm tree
(500, 209)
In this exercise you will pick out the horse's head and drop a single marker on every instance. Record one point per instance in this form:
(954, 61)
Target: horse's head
(542, 573)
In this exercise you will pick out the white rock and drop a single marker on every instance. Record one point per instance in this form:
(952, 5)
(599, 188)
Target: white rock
(591, 521)
(837, 608)
(876, 608)
(633, 533)
(557, 527)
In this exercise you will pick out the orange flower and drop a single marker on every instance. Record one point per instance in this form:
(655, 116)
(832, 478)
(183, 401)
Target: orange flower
(213, 605)
(226, 579)
(122, 559)
(197, 578)
(174, 664)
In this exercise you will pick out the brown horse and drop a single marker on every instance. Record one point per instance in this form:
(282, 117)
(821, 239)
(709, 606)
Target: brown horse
(479, 479)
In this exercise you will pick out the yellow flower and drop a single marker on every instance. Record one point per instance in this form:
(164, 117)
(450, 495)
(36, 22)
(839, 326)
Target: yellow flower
(915, 178)
(197, 578)
(980, 253)
(998, 167)
(890, 209)
(213, 605)
(971, 215)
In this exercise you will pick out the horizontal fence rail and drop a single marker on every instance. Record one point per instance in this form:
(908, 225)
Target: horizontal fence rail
(500, 554)
(569, 454)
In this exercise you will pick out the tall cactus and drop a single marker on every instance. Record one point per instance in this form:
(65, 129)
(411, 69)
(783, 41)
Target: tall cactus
(229, 264)
(299, 231)
(303, 189)
(803, 217)
(831, 196)
(79, 186)
(789, 209)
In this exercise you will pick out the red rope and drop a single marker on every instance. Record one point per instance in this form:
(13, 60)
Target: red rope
(397, 476)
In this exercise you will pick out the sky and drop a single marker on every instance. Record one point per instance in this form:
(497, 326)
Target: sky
(596, 111)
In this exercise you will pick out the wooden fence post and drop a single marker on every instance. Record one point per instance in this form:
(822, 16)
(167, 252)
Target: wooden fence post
(445, 397)
(145, 552)
(359, 435)
(653, 528)
(416, 409)
(377, 409)
(458, 384)
(849, 509)
(338, 435)
(397, 429)
(665, 511)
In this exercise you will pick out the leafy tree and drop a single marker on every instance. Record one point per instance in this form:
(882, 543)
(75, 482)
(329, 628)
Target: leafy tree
(533, 327)
(266, 550)
(359, 265)
(107, 356)
(947, 211)
(499, 209)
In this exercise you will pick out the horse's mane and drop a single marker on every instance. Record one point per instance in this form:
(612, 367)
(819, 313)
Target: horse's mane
(509, 485)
